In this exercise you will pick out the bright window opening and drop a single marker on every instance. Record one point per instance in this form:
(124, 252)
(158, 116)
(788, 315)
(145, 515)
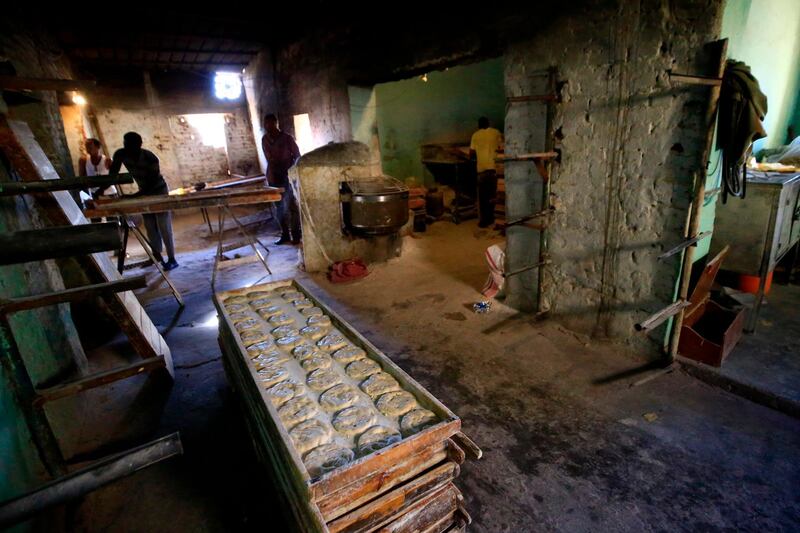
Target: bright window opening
(302, 130)
(228, 85)
(210, 127)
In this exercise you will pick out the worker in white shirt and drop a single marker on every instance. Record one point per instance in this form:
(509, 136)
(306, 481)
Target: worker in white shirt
(95, 163)
(483, 148)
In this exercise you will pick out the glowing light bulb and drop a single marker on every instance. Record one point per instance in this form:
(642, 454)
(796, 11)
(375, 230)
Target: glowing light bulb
(78, 99)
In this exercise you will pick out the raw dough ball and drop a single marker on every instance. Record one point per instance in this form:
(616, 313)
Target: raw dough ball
(284, 391)
(327, 457)
(416, 420)
(296, 410)
(361, 368)
(310, 434)
(272, 374)
(258, 294)
(375, 438)
(286, 330)
(264, 302)
(304, 351)
(253, 336)
(303, 304)
(270, 310)
(258, 348)
(353, 420)
(322, 379)
(314, 332)
(349, 354)
(379, 383)
(321, 321)
(280, 320)
(236, 300)
(233, 308)
(238, 316)
(246, 323)
(312, 311)
(277, 357)
(321, 360)
(289, 342)
(292, 295)
(338, 397)
(332, 341)
(396, 403)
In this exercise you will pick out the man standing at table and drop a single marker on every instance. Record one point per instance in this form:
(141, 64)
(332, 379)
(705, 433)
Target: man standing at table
(484, 146)
(146, 171)
(281, 153)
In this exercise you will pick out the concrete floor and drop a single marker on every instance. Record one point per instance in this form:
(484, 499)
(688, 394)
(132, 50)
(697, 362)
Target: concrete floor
(567, 444)
(769, 359)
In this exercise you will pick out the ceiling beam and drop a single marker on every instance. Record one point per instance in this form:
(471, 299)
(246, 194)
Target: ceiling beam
(44, 84)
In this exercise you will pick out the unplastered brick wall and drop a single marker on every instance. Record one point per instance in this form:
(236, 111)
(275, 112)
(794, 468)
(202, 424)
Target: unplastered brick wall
(241, 147)
(156, 137)
(631, 144)
(201, 155)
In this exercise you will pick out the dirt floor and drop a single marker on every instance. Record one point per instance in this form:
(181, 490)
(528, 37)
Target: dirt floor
(568, 444)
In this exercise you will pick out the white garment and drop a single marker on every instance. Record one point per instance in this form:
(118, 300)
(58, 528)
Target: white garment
(100, 169)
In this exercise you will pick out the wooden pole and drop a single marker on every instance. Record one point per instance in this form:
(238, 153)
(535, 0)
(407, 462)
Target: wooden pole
(699, 198)
(61, 241)
(75, 294)
(13, 188)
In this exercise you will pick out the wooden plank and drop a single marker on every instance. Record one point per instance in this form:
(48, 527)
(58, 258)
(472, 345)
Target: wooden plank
(161, 203)
(235, 180)
(13, 188)
(62, 241)
(20, 83)
(26, 156)
(97, 380)
(695, 80)
(23, 303)
(468, 445)
(534, 156)
(386, 508)
(427, 510)
(661, 315)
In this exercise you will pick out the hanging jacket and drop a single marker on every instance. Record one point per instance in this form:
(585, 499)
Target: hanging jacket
(742, 108)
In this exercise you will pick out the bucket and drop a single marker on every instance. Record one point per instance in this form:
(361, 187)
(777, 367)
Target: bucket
(750, 283)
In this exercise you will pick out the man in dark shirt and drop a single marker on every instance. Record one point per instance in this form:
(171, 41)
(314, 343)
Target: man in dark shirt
(282, 153)
(146, 171)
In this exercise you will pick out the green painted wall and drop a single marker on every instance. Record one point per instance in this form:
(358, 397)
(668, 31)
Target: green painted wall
(751, 27)
(442, 110)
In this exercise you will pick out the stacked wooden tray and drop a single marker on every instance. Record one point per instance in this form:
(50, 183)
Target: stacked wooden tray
(351, 441)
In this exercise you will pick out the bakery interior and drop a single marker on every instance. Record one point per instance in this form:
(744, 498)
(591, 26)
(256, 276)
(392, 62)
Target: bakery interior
(532, 268)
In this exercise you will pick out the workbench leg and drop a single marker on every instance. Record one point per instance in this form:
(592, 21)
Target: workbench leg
(148, 250)
(207, 219)
(251, 240)
(218, 255)
(124, 250)
(25, 393)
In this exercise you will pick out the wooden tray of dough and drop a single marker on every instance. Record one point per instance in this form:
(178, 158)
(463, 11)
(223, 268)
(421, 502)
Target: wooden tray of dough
(319, 500)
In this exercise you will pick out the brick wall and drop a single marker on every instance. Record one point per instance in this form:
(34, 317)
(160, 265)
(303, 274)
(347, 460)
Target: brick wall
(198, 161)
(241, 145)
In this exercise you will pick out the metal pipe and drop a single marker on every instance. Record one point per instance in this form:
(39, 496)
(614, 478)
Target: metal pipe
(82, 482)
(61, 241)
(12, 188)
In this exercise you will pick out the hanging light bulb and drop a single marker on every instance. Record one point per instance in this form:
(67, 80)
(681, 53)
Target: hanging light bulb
(424, 77)
(78, 99)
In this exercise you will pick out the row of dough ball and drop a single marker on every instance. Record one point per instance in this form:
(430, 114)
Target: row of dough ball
(311, 436)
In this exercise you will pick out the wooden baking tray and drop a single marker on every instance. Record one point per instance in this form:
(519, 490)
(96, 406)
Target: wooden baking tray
(323, 499)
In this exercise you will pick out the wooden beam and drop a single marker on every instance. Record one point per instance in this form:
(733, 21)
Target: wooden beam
(13, 188)
(77, 484)
(682, 246)
(62, 241)
(19, 83)
(658, 317)
(529, 157)
(695, 80)
(160, 203)
(97, 380)
(24, 303)
(533, 98)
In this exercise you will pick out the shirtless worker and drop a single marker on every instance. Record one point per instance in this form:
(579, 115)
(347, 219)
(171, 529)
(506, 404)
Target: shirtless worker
(281, 153)
(143, 165)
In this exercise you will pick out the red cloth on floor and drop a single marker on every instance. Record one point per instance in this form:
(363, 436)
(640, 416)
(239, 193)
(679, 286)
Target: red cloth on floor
(343, 271)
